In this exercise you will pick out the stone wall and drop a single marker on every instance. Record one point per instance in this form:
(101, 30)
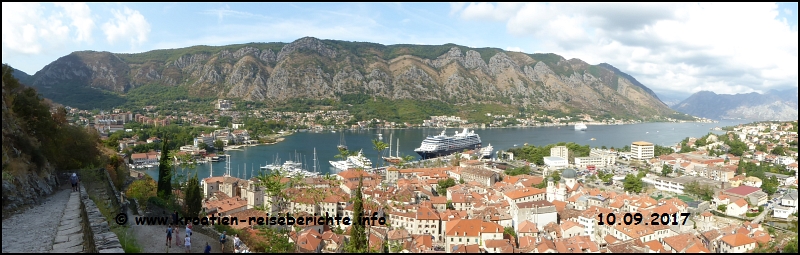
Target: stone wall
(98, 234)
(113, 189)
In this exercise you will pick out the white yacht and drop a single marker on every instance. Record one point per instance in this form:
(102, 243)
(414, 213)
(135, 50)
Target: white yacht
(486, 152)
(580, 127)
(358, 161)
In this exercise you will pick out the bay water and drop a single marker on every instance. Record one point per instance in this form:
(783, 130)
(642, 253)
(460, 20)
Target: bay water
(299, 147)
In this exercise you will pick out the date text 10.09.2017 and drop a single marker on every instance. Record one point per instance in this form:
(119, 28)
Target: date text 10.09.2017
(637, 218)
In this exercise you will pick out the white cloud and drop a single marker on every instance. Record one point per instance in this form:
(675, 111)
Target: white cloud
(27, 30)
(787, 11)
(517, 49)
(487, 11)
(81, 17)
(669, 47)
(455, 7)
(127, 25)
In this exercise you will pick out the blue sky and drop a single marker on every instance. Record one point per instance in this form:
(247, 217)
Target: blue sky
(674, 48)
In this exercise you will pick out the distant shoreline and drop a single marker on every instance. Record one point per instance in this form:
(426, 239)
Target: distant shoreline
(278, 139)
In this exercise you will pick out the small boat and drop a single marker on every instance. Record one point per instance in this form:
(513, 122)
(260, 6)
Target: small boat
(341, 145)
(593, 139)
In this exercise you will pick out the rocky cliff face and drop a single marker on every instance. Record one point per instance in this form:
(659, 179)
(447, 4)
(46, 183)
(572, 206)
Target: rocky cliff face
(22, 185)
(776, 105)
(309, 67)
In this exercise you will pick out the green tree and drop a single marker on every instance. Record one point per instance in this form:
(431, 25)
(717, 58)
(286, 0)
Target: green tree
(518, 170)
(358, 235)
(442, 186)
(457, 159)
(722, 208)
(606, 177)
(380, 148)
(219, 145)
(142, 189)
(632, 184)
(194, 197)
(778, 150)
(791, 247)
(666, 170)
(164, 173)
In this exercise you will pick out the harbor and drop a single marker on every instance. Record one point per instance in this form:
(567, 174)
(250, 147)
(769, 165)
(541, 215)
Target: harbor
(326, 143)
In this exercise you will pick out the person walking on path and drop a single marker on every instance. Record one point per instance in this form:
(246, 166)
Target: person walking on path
(222, 240)
(188, 243)
(208, 248)
(175, 217)
(178, 241)
(74, 180)
(237, 243)
(189, 229)
(169, 236)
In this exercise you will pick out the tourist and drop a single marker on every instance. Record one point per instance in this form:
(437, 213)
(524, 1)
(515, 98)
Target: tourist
(175, 217)
(222, 240)
(189, 229)
(74, 180)
(169, 235)
(188, 243)
(178, 237)
(237, 243)
(208, 248)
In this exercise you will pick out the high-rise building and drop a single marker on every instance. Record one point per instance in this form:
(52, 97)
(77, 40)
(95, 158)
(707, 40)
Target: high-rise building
(642, 150)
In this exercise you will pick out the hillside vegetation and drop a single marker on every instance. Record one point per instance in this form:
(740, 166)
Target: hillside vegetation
(38, 143)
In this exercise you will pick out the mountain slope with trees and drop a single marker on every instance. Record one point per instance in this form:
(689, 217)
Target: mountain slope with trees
(310, 68)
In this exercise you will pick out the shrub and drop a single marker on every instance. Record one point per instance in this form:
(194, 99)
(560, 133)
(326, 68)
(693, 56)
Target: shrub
(156, 201)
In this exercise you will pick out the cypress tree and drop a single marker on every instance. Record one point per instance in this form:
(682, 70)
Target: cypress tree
(164, 175)
(194, 197)
(358, 237)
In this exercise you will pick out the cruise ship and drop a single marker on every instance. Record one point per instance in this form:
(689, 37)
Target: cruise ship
(440, 145)
(580, 127)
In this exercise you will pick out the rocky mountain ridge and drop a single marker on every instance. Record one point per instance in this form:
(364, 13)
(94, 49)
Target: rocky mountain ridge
(774, 105)
(314, 68)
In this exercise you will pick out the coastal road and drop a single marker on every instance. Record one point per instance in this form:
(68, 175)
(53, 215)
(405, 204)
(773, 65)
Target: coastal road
(34, 230)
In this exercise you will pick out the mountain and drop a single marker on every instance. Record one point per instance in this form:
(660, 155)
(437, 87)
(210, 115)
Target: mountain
(327, 69)
(23, 77)
(774, 105)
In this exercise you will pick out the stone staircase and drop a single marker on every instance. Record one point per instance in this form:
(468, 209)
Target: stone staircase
(69, 236)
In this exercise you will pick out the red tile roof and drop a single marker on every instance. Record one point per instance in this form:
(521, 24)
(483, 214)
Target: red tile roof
(738, 239)
(743, 190)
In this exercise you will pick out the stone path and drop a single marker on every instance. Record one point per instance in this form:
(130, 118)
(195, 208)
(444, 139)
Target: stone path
(152, 239)
(70, 232)
(34, 230)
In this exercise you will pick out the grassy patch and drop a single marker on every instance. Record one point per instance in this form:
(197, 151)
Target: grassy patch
(126, 239)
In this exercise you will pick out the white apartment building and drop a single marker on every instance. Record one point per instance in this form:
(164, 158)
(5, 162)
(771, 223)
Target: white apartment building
(555, 162)
(599, 161)
(559, 151)
(642, 150)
